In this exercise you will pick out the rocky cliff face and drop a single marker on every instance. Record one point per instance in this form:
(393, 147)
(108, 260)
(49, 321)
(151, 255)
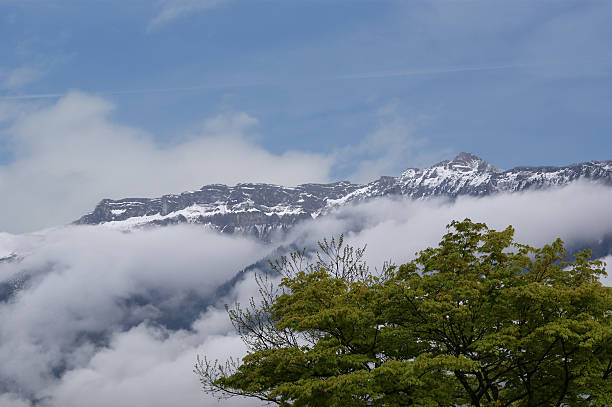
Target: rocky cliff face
(261, 209)
(257, 209)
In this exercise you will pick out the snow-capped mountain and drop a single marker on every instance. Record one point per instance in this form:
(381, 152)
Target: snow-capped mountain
(257, 209)
(260, 209)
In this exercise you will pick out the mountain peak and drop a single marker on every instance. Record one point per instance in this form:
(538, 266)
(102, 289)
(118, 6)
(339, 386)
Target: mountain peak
(463, 156)
(469, 162)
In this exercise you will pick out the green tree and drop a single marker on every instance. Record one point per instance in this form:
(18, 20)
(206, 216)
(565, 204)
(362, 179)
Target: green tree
(479, 320)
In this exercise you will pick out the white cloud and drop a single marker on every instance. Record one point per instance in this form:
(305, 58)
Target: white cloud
(147, 367)
(396, 229)
(158, 360)
(70, 155)
(13, 400)
(96, 299)
(9, 111)
(173, 9)
(82, 288)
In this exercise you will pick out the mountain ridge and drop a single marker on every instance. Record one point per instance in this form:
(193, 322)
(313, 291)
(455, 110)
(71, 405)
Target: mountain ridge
(261, 209)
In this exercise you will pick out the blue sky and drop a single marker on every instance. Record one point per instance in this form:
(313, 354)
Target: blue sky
(372, 87)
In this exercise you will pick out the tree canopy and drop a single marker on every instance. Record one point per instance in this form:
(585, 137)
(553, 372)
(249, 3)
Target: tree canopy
(479, 320)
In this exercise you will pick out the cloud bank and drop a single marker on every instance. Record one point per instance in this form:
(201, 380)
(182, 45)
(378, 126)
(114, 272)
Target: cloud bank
(92, 316)
(396, 229)
(70, 155)
(91, 321)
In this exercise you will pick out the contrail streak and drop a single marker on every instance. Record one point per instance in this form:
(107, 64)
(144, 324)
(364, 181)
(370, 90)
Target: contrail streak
(363, 75)
(132, 91)
(33, 96)
(395, 74)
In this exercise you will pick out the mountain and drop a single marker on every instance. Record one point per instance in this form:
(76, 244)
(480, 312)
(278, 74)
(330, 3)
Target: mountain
(261, 209)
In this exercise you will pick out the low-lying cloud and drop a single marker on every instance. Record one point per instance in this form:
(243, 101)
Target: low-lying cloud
(151, 366)
(97, 306)
(396, 229)
(97, 317)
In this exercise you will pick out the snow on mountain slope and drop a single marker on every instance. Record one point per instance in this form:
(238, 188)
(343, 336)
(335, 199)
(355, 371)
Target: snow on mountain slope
(262, 209)
(257, 209)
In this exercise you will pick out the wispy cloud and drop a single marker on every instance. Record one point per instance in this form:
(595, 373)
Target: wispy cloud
(21, 76)
(18, 77)
(391, 147)
(574, 43)
(35, 66)
(540, 64)
(173, 9)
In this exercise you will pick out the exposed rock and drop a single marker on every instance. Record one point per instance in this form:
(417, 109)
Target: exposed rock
(262, 209)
